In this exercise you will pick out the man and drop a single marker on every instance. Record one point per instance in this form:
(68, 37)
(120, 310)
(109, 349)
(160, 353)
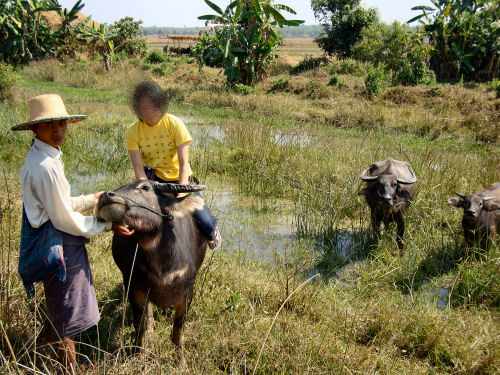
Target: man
(52, 219)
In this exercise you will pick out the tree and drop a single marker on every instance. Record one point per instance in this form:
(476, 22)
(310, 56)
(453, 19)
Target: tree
(24, 34)
(68, 33)
(127, 40)
(342, 22)
(101, 40)
(465, 35)
(244, 37)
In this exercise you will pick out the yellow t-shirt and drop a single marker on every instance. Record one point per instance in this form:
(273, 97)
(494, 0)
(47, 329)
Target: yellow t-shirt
(158, 144)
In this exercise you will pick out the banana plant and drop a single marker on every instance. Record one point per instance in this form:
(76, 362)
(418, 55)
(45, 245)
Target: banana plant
(101, 40)
(464, 36)
(24, 34)
(244, 37)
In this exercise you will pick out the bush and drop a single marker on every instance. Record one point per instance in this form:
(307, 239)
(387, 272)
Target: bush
(376, 81)
(281, 83)
(156, 57)
(309, 63)
(243, 89)
(350, 66)
(161, 69)
(7, 81)
(411, 75)
(494, 85)
(335, 80)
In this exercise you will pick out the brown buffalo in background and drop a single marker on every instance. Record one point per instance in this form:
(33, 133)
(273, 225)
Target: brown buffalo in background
(390, 185)
(481, 218)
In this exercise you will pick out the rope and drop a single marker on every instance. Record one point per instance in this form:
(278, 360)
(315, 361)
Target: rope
(167, 216)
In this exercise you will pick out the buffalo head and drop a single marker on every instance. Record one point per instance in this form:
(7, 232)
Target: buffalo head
(473, 204)
(388, 179)
(140, 205)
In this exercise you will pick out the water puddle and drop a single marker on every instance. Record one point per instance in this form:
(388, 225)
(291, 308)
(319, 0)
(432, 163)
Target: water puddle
(246, 231)
(437, 295)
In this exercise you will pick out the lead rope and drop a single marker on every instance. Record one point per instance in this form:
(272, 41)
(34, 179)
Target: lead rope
(166, 216)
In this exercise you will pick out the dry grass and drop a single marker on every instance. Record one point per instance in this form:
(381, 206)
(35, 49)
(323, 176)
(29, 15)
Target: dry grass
(377, 314)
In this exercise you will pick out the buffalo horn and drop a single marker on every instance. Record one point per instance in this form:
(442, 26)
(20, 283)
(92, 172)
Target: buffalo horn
(410, 180)
(365, 177)
(460, 195)
(177, 188)
(486, 199)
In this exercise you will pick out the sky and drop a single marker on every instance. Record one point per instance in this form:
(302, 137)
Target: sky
(177, 13)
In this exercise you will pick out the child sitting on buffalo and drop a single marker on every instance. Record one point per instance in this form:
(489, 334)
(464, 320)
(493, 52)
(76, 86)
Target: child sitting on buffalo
(158, 145)
(54, 232)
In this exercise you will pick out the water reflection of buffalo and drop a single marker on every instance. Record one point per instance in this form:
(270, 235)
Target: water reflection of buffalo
(161, 259)
(390, 185)
(481, 218)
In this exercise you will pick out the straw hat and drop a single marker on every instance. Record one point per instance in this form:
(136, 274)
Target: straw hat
(44, 108)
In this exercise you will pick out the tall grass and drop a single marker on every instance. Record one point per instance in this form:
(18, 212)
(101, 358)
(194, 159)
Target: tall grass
(373, 311)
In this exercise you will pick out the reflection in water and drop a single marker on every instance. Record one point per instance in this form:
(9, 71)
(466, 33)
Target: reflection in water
(252, 234)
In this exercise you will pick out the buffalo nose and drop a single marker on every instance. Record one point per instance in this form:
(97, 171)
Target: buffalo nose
(110, 194)
(470, 212)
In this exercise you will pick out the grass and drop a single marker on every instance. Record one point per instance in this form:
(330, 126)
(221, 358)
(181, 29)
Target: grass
(295, 156)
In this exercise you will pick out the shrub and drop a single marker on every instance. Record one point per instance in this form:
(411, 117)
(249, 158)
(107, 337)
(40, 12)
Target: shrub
(243, 89)
(309, 63)
(376, 81)
(351, 67)
(156, 57)
(494, 85)
(161, 69)
(411, 75)
(7, 81)
(281, 83)
(335, 80)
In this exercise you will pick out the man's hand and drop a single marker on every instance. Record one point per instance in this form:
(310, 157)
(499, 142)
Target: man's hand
(122, 230)
(96, 196)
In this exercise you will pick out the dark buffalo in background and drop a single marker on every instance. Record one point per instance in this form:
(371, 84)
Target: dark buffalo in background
(161, 259)
(390, 186)
(481, 218)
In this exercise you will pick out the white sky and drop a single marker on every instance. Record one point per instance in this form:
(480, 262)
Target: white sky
(177, 13)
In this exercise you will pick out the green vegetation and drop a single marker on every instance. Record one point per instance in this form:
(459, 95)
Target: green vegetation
(465, 38)
(343, 22)
(289, 154)
(7, 81)
(246, 38)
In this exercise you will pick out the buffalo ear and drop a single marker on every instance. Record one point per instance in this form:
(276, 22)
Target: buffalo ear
(457, 202)
(364, 191)
(404, 193)
(491, 205)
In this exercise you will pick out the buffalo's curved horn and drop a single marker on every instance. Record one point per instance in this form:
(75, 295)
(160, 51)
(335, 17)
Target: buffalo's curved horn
(460, 195)
(410, 180)
(365, 177)
(177, 188)
(485, 199)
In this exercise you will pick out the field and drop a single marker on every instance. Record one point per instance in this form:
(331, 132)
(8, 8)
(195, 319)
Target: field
(298, 286)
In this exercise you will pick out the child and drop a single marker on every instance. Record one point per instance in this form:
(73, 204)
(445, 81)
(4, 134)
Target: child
(51, 214)
(158, 146)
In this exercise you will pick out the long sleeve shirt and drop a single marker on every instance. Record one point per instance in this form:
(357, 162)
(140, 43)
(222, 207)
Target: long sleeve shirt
(46, 194)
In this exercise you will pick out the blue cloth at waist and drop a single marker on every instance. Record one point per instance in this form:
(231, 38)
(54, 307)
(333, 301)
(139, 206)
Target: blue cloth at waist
(41, 254)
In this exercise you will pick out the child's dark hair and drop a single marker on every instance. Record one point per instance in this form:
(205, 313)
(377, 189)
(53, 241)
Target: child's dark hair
(154, 92)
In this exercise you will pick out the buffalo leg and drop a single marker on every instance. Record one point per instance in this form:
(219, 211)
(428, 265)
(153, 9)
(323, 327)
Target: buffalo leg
(142, 311)
(376, 221)
(178, 327)
(400, 234)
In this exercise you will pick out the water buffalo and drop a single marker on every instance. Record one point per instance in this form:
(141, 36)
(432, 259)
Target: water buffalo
(481, 217)
(160, 260)
(390, 185)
